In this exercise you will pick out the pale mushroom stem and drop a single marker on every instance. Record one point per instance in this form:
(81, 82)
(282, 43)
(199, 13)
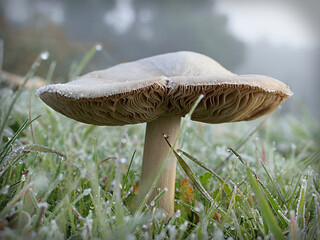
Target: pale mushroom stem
(155, 153)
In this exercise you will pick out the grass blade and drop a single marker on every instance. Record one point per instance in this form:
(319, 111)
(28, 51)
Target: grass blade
(16, 95)
(42, 149)
(301, 204)
(51, 71)
(265, 209)
(274, 204)
(270, 198)
(6, 147)
(194, 179)
(231, 205)
(128, 170)
(201, 164)
(273, 182)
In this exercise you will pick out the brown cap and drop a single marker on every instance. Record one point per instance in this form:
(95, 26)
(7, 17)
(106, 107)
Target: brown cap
(164, 85)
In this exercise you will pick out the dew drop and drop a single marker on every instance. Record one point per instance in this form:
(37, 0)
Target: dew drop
(45, 55)
(98, 47)
(86, 191)
(197, 209)
(123, 160)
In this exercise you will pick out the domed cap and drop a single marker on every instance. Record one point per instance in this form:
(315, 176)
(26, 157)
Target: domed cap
(165, 85)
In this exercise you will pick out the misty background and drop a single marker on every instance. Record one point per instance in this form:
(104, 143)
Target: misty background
(278, 38)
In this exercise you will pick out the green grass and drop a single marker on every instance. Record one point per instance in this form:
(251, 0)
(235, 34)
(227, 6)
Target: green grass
(62, 179)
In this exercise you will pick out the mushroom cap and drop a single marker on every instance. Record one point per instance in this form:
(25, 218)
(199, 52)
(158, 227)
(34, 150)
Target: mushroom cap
(165, 85)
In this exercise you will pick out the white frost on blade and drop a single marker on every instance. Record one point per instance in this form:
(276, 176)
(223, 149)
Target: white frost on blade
(43, 205)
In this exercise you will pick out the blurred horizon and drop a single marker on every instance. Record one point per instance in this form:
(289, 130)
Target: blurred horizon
(275, 38)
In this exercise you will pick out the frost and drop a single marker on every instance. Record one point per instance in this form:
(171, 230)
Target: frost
(222, 151)
(23, 178)
(172, 231)
(43, 205)
(51, 232)
(5, 189)
(86, 191)
(197, 209)
(83, 172)
(178, 213)
(166, 135)
(218, 234)
(184, 226)
(160, 236)
(45, 55)
(60, 177)
(170, 83)
(41, 182)
(87, 226)
(123, 160)
(8, 233)
(98, 47)
(304, 183)
(131, 237)
(193, 236)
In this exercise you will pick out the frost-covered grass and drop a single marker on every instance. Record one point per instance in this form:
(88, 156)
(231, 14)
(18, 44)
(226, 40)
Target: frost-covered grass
(62, 179)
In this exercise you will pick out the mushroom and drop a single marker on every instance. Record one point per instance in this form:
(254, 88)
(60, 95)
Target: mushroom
(160, 90)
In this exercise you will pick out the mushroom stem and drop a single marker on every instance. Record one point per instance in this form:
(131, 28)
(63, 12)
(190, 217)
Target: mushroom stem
(155, 154)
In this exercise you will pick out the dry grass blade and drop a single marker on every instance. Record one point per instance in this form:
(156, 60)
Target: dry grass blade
(15, 199)
(42, 149)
